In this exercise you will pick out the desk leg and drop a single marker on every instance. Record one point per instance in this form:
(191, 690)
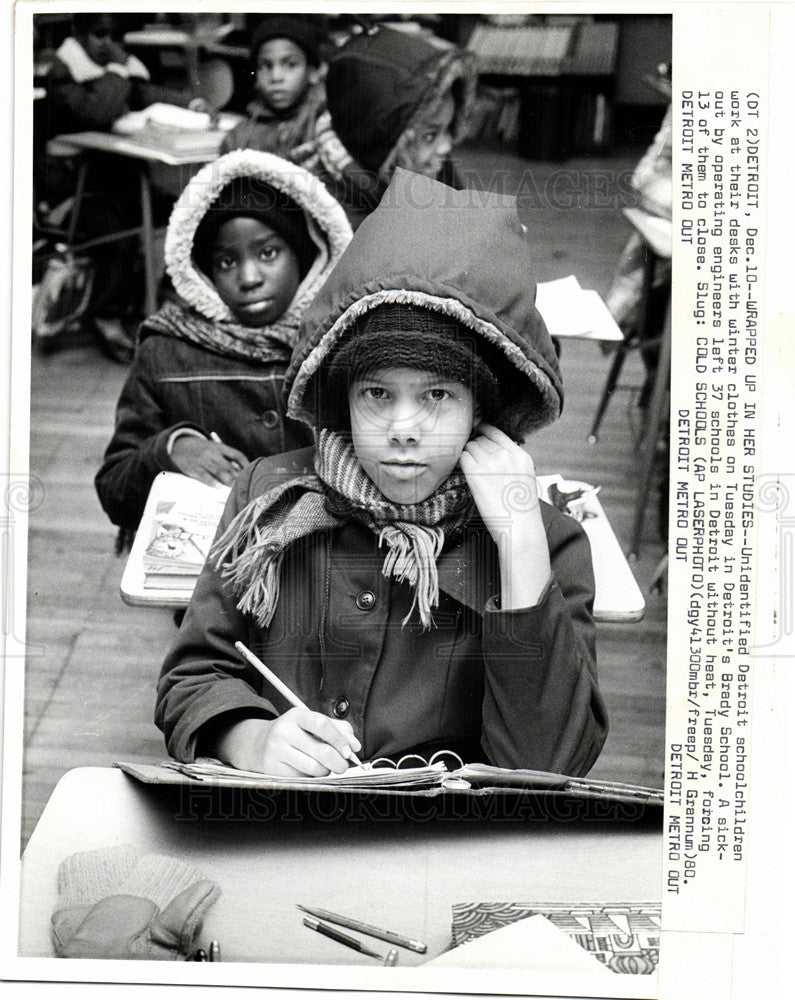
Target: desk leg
(147, 248)
(654, 416)
(80, 187)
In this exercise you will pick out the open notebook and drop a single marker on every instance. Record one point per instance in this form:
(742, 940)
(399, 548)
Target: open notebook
(407, 773)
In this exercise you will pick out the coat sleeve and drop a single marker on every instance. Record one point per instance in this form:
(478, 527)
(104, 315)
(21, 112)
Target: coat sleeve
(203, 675)
(542, 706)
(138, 449)
(97, 104)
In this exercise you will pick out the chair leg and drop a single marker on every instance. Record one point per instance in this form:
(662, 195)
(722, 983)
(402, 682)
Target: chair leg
(607, 392)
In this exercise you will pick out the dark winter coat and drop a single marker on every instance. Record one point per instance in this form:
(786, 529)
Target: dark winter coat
(174, 383)
(516, 689)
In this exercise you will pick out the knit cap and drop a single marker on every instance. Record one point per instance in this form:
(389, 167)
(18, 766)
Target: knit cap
(298, 29)
(251, 198)
(398, 335)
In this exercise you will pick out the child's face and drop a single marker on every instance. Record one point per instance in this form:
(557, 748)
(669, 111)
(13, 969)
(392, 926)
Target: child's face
(97, 41)
(254, 271)
(409, 428)
(425, 150)
(283, 73)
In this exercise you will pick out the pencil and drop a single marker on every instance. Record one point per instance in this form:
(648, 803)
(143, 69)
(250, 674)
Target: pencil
(358, 925)
(215, 437)
(335, 935)
(279, 684)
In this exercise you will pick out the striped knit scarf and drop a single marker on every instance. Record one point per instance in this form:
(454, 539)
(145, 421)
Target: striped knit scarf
(266, 344)
(251, 550)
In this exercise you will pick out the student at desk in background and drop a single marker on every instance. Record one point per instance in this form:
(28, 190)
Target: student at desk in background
(91, 83)
(395, 99)
(402, 577)
(250, 241)
(289, 93)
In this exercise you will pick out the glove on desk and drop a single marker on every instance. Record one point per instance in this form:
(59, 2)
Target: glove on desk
(113, 904)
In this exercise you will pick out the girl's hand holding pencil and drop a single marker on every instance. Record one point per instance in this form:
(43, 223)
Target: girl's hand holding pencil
(207, 459)
(299, 743)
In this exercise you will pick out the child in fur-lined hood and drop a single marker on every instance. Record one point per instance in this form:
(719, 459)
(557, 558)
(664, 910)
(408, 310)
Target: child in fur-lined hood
(249, 244)
(402, 576)
(395, 99)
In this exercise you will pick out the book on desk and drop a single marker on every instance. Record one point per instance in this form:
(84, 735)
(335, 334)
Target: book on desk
(172, 541)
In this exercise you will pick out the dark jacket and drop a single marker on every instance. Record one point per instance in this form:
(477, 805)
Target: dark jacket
(266, 130)
(173, 383)
(516, 689)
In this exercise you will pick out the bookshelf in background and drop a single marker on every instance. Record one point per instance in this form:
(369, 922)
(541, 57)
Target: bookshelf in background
(563, 73)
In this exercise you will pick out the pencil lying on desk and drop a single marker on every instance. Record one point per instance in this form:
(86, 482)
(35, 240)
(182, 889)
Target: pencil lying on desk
(346, 939)
(279, 684)
(358, 925)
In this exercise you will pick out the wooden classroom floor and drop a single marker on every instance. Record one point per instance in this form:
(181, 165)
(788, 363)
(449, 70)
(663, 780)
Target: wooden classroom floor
(93, 663)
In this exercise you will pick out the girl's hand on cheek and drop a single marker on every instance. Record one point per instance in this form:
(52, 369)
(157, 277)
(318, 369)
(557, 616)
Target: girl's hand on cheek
(502, 479)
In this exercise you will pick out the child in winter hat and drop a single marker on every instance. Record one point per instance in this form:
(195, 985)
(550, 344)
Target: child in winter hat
(249, 243)
(402, 576)
(289, 94)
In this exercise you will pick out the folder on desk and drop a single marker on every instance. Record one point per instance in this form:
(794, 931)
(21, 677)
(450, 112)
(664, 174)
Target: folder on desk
(475, 779)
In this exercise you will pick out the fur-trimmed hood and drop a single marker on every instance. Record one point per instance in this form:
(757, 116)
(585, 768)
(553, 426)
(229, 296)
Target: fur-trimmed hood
(326, 221)
(461, 253)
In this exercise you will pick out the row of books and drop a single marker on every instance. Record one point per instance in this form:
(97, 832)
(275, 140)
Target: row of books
(586, 48)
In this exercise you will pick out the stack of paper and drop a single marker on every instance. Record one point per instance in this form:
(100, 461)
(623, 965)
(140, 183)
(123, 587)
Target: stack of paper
(176, 130)
(366, 776)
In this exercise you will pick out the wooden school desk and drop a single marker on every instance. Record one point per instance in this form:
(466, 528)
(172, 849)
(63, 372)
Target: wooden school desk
(400, 867)
(618, 597)
(144, 157)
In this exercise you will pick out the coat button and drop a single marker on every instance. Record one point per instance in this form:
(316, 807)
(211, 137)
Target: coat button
(341, 707)
(366, 600)
(270, 419)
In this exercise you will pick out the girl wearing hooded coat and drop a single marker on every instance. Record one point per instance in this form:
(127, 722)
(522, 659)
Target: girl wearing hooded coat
(395, 99)
(411, 662)
(198, 369)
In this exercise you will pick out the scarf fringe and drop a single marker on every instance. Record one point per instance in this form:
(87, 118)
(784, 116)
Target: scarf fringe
(412, 553)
